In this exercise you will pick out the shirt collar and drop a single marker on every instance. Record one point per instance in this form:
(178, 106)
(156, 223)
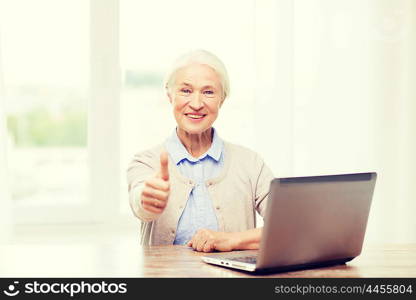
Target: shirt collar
(178, 151)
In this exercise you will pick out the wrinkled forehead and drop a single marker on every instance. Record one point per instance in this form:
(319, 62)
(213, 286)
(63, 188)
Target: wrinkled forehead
(197, 75)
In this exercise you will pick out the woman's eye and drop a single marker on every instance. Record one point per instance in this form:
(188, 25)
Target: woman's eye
(208, 92)
(186, 91)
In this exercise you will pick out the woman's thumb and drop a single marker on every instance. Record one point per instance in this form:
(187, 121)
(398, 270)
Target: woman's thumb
(164, 171)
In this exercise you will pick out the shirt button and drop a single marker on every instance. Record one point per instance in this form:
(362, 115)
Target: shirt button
(180, 207)
(173, 231)
(218, 208)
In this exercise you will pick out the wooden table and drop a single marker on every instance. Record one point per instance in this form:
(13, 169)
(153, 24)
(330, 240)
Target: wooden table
(127, 259)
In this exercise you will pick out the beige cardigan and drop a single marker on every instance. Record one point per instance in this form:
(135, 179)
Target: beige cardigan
(240, 189)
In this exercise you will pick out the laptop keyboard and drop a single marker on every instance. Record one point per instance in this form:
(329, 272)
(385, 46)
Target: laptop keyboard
(246, 259)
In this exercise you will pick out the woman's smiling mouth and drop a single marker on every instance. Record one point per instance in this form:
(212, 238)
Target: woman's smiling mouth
(195, 116)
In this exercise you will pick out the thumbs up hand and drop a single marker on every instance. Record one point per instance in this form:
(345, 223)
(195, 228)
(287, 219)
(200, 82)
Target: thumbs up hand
(155, 194)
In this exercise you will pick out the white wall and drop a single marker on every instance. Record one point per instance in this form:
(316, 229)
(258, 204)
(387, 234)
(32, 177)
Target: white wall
(273, 95)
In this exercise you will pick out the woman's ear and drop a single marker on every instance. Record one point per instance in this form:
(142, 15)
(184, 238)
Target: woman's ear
(169, 97)
(222, 101)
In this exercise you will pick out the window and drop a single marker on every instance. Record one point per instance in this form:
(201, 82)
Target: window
(46, 74)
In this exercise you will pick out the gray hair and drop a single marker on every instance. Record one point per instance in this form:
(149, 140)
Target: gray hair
(202, 57)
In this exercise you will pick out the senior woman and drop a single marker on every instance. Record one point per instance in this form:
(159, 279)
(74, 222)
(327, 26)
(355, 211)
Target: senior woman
(196, 189)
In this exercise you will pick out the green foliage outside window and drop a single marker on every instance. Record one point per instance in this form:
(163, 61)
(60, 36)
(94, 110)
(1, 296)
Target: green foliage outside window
(39, 127)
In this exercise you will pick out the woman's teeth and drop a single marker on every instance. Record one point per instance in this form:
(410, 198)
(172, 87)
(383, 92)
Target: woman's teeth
(195, 116)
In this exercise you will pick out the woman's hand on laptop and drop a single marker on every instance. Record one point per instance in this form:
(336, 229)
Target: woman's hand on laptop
(206, 240)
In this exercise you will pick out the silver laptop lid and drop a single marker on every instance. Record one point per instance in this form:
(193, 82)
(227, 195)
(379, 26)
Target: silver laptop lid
(315, 219)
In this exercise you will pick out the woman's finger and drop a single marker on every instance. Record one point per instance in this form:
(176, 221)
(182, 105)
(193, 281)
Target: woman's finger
(208, 247)
(153, 209)
(202, 239)
(201, 245)
(158, 184)
(152, 193)
(152, 202)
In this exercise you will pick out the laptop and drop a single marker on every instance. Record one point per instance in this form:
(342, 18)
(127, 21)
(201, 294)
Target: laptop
(310, 222)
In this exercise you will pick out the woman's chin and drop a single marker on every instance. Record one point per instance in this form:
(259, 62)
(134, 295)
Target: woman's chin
(194, 129)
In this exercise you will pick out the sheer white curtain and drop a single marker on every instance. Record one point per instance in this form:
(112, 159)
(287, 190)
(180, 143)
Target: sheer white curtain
(336, 93)
(5, 205)
(354, 99)
(393, 103)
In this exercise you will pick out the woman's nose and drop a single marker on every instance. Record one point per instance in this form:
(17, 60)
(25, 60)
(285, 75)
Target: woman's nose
(196, 102)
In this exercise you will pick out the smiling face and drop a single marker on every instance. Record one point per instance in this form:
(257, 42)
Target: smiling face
(196, 96)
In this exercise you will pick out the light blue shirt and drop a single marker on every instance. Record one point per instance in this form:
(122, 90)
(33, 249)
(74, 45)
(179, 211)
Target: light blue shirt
(199, 211)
